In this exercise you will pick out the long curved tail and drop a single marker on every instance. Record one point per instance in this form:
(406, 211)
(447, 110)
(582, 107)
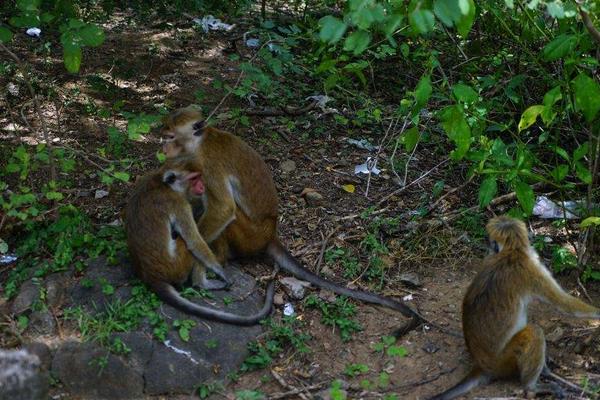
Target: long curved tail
(171, 296)
(471, 381)
(286, 261)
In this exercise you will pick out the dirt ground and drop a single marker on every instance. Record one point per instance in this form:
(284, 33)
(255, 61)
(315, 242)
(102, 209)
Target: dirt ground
(182, 61)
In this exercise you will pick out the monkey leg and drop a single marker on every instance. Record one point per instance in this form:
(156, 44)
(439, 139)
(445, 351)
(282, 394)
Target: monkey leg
(218, 215)
(248, 237)
(525, 356)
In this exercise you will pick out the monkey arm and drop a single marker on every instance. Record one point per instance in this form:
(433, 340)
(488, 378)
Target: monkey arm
(549, 291)
(184, 223)
(219, 213)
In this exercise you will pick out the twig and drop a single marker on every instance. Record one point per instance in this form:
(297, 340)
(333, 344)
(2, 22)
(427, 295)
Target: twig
(589, 25)
(37, 109)
(237, 82)
(438, 201)
(294, 392)
(323, 247)
(283, 383)
(282, 111)
(584, 290)
(393, 123)
(549, 374)
(403, 188)
(352, 216)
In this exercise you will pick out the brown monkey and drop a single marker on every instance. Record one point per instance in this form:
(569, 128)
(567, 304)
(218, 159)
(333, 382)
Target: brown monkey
(165, 244)
(501, 342)
(240, 217)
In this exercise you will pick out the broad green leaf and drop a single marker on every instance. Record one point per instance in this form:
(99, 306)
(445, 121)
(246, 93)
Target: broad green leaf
(410, 138)
(581, 151)
(3, 246)
(54, 196)
(447, 11)
(583, 173)
(487, 191)
(529, 116)
(422, 21)
(92, 35)
(332, 29)
(562, 152)
(589, 221)
(559, 47)
(28, 5)
(25, 20)
(552, 96)
(560, 172)
(5, 35)
(466, 22)
(397, 351)
(457, 129)
(510, 3)
(392, 23)
(587, 96)
(122, 176)
(357, 42)
(72, 57)
(525, 196)
(422, 91)
(555, 9)
(464, 93)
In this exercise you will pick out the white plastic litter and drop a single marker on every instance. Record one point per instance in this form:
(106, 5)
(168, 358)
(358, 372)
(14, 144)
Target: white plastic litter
(100, 194)
(33, 32)
(210, 23)
(369, 166)
(362, 144)
(288, 310)
(322, 101)
(546, 208)
(7, 259)
(408, 297)
(12, 89)
(252, 42)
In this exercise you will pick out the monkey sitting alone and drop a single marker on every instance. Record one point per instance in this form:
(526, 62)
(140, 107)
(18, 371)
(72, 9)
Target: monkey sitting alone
(165, 245)
(240, 218)
(501, 342)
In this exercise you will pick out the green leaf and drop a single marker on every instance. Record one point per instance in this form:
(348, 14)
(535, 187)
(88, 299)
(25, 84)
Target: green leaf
(410, 138)
(587, 96)
(552, 96)
(393, 22)
(357, 42)
(54, 196)
(464, 93)
(468, 18)
(561, 152)
(525, 196)
(92, 35)
(560, 172)
(447, 11)
(457, 129)
(581, 151)
(397, 351)
(559, 47)
(589, 221)
(583, 173)
(332, 29)
(422, 21)
(72, 57)
(423, 91)
(529, 116)
(122, 176)
(5, 35)
(487, 191)
(3, 246)
(555, 9)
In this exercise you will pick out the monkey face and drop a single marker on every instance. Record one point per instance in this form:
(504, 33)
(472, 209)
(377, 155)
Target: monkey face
(184, 182)
(182, 131)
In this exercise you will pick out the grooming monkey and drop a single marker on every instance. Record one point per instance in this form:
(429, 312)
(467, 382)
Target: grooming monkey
(240, 204)
(165, 244)
(501, 342)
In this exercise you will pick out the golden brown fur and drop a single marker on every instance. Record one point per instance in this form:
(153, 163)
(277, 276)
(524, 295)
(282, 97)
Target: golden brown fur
(501, 342)
(240, 217)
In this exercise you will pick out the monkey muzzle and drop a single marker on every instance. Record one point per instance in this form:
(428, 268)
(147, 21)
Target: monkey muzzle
(196, 183)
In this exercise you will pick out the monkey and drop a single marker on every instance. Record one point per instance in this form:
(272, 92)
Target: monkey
(501, 342)
(241, 204)
(166, 247)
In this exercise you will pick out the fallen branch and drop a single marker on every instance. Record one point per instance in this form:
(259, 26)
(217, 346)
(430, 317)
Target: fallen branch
(282, 111)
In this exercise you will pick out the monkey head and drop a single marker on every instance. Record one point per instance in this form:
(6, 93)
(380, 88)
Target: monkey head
(182, 130)
(185, 182)
(507, 233)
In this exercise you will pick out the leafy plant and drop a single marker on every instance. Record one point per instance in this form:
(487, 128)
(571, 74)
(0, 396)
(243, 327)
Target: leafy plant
(338, 314)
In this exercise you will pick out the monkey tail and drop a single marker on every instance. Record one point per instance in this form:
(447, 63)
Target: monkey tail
(171, 296)
(286, 261)
(475, 378)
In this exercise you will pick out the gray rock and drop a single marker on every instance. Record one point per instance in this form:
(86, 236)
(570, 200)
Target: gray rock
(287, 166)
(56, 286)
(313, 198)
(42, 351)
(411, 279)
(42, 322)
(295, 287)
(21, 377)
(90, 371)
(28, 294)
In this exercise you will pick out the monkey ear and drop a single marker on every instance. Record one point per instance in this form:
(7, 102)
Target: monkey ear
(198, 127)
(169, 177)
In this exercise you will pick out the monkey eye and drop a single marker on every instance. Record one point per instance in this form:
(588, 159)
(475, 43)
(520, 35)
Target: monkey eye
(198, 126)
(169, 178)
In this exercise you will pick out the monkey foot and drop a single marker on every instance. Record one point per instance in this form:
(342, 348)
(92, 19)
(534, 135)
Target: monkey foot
(214, 284)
